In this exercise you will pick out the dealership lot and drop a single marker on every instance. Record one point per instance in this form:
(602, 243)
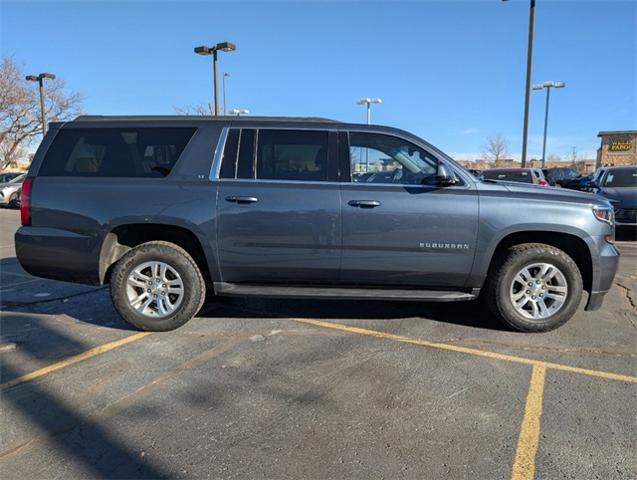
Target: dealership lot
(329, 389)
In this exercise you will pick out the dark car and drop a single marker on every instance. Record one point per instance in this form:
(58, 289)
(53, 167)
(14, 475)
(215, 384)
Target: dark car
(523, 175)
(8, 176)
(562, 177)
(619, 186)
(165, 209)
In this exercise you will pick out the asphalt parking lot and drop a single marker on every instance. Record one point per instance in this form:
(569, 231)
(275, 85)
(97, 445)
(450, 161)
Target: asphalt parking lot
(305, 389)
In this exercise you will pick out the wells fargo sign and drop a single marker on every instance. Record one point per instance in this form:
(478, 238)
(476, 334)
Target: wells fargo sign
(620, 143)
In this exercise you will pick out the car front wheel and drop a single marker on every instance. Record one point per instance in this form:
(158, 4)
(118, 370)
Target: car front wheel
(534, 287)
(157, 286)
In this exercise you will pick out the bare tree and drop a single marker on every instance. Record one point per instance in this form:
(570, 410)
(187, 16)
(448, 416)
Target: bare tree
(496, 148)
(553, 158)
(201, 109)
(20, 122)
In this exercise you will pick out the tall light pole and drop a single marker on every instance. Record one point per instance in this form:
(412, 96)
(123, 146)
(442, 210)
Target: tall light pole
(40, 79)
(368, 101)
(223, 79)
(527, 90)
(548, 86)
(203, 50)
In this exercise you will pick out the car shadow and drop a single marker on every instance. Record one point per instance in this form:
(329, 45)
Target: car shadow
(80, 439)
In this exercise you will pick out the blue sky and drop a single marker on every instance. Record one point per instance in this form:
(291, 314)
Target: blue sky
(449, 71)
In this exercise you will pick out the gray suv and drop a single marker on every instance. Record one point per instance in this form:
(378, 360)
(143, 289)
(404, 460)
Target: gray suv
(168, 208)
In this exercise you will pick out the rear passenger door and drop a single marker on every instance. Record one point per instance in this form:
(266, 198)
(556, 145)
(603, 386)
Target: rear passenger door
(279, 207)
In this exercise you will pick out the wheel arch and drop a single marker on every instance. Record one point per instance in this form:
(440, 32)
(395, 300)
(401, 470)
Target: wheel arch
(124, 237)
(572, 244)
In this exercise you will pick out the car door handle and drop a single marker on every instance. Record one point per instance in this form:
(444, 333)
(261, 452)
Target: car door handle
(240, 199)
(364, 203)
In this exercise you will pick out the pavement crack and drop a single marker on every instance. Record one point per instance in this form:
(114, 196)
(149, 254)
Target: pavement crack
(628, 294)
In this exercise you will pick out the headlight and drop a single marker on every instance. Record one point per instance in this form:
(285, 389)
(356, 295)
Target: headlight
(604, 213)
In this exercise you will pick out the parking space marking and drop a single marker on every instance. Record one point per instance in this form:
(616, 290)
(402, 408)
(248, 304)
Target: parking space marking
(524, 464)
(471, 351)
(27, 377)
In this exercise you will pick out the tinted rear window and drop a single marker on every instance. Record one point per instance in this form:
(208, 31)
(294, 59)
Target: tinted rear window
(292, 155)
(513, 176)
(115, 152)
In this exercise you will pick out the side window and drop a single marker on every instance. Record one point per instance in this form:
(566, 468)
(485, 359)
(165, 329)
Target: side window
(115, 152)
(229, 160)
(292, 155)
(377, 158)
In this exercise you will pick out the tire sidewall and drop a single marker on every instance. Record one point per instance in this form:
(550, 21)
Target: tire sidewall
(522, 259)
(185, 267)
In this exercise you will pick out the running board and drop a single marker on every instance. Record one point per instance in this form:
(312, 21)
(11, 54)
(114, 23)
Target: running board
(242, 289)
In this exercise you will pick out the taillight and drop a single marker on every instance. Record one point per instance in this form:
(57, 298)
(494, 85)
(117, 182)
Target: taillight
(25, 202)
(542, 182)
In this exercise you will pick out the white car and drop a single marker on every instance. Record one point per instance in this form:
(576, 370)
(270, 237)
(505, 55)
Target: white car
(10, 191)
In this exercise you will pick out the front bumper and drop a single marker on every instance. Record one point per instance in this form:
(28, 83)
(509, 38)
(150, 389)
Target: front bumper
(604, 270)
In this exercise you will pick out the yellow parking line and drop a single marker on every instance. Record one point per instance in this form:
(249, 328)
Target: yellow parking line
(467, 350)
(524, 465)
(27, 377)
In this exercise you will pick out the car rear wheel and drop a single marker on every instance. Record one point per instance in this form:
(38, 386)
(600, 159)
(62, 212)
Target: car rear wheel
(534, 287)
(157, 286)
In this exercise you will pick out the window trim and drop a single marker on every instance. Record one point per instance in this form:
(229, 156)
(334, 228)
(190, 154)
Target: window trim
(467, 183)
(215, 169)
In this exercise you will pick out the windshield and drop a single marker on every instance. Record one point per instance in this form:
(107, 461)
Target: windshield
(621, 178)
(18, 179)
(508, 175)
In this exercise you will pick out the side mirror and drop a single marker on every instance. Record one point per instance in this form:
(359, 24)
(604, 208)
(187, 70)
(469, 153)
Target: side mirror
(445, 176)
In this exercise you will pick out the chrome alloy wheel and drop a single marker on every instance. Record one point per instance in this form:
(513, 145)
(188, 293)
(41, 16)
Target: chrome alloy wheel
(154, 289)
(538, 291)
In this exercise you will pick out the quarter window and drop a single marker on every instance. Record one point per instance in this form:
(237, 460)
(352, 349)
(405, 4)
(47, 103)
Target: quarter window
(292, 155)
(377, 158)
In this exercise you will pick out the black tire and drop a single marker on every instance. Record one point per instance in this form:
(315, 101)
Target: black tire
(11, 203)
(501, 276)
(194, 287)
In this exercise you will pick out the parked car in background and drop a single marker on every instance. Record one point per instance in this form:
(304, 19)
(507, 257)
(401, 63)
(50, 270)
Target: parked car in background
(474, 172)
(561, 177)
(7, 177)
(583, 184)
(522, 175)
(619, 186)
(9, 191)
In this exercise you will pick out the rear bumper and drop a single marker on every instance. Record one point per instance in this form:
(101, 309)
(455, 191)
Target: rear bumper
(58, 254)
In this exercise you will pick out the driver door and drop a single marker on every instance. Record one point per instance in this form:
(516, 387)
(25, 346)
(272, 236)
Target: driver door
(398, 230)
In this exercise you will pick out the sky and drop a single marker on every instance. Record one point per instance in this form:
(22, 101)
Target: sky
(452, 72)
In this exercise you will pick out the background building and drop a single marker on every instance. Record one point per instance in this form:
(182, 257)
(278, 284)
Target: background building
(617, 148)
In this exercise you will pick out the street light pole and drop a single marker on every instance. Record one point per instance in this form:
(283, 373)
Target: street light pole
(368, 101)
(40, 79)
(203, 50)
(527, 90)
(214, 76)
(223, 78)
(548, 86)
